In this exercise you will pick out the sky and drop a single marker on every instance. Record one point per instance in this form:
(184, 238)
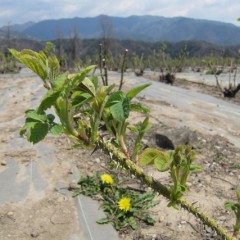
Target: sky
(22, 11)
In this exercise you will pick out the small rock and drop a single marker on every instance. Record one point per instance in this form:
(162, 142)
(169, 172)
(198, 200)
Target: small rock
(161, 219)
(97, 160)
(168, 224)
(189, 184)
(73, 186)
(3, 163)
(10, 214)
(154, 236)
(34, 234)
(222, 218)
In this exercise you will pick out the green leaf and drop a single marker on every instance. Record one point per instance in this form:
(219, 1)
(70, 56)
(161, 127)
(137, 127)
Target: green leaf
(195, 168)
(37, 62)
(146, 125)
(75, 81)
(88, 86)
(139, 108)
(103, 221)
(37, 132)
(229, 205)
(61, 108)
(117, 111)
(118, 103)
(147, 157)
(49, 99)
(134, 128)
(56, 129)
(54, 67)
(114, 98)
(59, 82)
(32, 114)
(79, 98)
(126, 107)
(161, 160)
(149, 220)
(50, 118)
(132, 222)
(94, 80)
(108, 89)
(25, 127)
(99, 100)
(134, 92)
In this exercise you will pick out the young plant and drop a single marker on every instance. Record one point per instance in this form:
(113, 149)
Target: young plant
(140, 128)
(235, 207)
(217, 66)
(180, 168)
(59, 96)
(117, 110)
(123, 66)
(8, 63)
(138, 64)
(178, 162)
(123, 207)
(81, 105)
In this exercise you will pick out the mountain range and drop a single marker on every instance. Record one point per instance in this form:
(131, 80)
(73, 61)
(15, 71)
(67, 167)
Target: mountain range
(143, 28)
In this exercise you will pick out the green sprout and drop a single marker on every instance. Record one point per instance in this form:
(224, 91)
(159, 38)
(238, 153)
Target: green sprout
(235, 207)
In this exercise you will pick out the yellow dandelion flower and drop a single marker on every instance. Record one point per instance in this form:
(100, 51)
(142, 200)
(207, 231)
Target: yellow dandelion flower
(124, 204)
(106, 178)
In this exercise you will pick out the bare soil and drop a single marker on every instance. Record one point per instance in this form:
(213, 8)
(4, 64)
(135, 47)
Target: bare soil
(50, 214)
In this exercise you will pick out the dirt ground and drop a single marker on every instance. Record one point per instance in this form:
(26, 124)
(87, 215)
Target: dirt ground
(199, 87)
(50, 214)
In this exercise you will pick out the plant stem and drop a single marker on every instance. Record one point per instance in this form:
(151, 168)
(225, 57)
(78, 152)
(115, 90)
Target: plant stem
(122, 68)
(160, 188)
(105, 72)
(101, 63)
(205, 219)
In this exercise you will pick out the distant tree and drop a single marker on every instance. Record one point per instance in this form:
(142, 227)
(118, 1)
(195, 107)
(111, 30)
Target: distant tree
(60, 50)
(231, 66)
(75, 45)
(106, 35)
(110, 51)
(8, 40)
(137, 63)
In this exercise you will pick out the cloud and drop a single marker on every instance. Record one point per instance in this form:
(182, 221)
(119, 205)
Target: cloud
(6, 13)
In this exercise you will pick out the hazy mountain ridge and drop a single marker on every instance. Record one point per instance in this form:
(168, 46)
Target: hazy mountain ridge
(143, 28)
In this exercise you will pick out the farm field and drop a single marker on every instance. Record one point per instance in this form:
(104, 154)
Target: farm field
(42, 208)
